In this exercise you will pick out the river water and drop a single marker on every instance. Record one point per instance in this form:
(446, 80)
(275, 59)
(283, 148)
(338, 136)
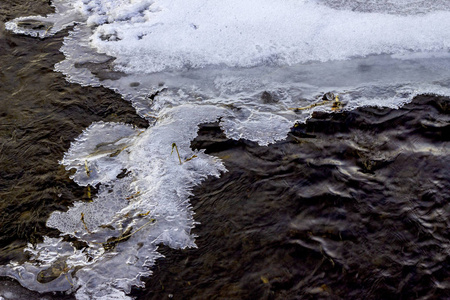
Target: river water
(351, 204)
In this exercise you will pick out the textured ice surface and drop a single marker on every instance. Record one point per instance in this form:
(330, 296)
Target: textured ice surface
(248, 64)
(230, 53)
(151, 202)
(402, 7)
(99, 152)
(173, 35)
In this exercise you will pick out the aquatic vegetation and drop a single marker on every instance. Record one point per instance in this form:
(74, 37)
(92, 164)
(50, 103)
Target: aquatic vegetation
(111, 243)
(84, 223)
(86, 168)
(336, 105)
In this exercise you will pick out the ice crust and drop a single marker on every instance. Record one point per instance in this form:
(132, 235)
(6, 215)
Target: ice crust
(156, 188)
(102, 160)
(225, 33)
(248, 65)
(399, 7)
(151, 36)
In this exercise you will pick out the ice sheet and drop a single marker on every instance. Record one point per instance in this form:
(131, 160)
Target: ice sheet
(250, 64)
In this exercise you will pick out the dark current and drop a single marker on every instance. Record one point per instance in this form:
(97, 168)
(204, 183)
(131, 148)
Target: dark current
(352, 205)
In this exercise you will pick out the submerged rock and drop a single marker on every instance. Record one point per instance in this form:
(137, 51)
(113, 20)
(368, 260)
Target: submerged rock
(328, 96)
(34, 24)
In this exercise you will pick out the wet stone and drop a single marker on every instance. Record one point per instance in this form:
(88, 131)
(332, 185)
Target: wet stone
(35, 24)
(268, 98)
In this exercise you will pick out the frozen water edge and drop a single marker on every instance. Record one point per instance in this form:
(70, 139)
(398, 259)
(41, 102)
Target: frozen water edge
(38, 26)
(156, 188)
(250, 87)
(376, 80)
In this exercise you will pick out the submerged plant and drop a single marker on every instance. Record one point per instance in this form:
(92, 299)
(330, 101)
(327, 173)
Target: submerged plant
(327, 98)
(337, 104)
(84, 223)
(111, 243)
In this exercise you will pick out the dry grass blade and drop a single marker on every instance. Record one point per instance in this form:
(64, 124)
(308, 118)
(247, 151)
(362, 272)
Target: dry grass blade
(174, 145)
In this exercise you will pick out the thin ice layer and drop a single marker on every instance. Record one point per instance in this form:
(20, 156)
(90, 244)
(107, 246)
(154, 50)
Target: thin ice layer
(206, 48)
(96, 162)
(123, 226)
(65, 15)
(381, 80)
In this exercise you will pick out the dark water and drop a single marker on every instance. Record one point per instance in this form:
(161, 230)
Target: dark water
(40, 114)
(352, 205)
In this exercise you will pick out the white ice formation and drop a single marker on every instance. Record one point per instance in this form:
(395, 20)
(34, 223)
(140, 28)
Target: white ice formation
(186, 62)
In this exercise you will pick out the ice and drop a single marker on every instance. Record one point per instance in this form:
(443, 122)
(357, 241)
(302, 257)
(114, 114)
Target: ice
(152, 36)
(96, 162)
(146, 208)
(228, 35)
(266, 128)
(65, 15)
(249, 65)
(198, 33)
(402, 7)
